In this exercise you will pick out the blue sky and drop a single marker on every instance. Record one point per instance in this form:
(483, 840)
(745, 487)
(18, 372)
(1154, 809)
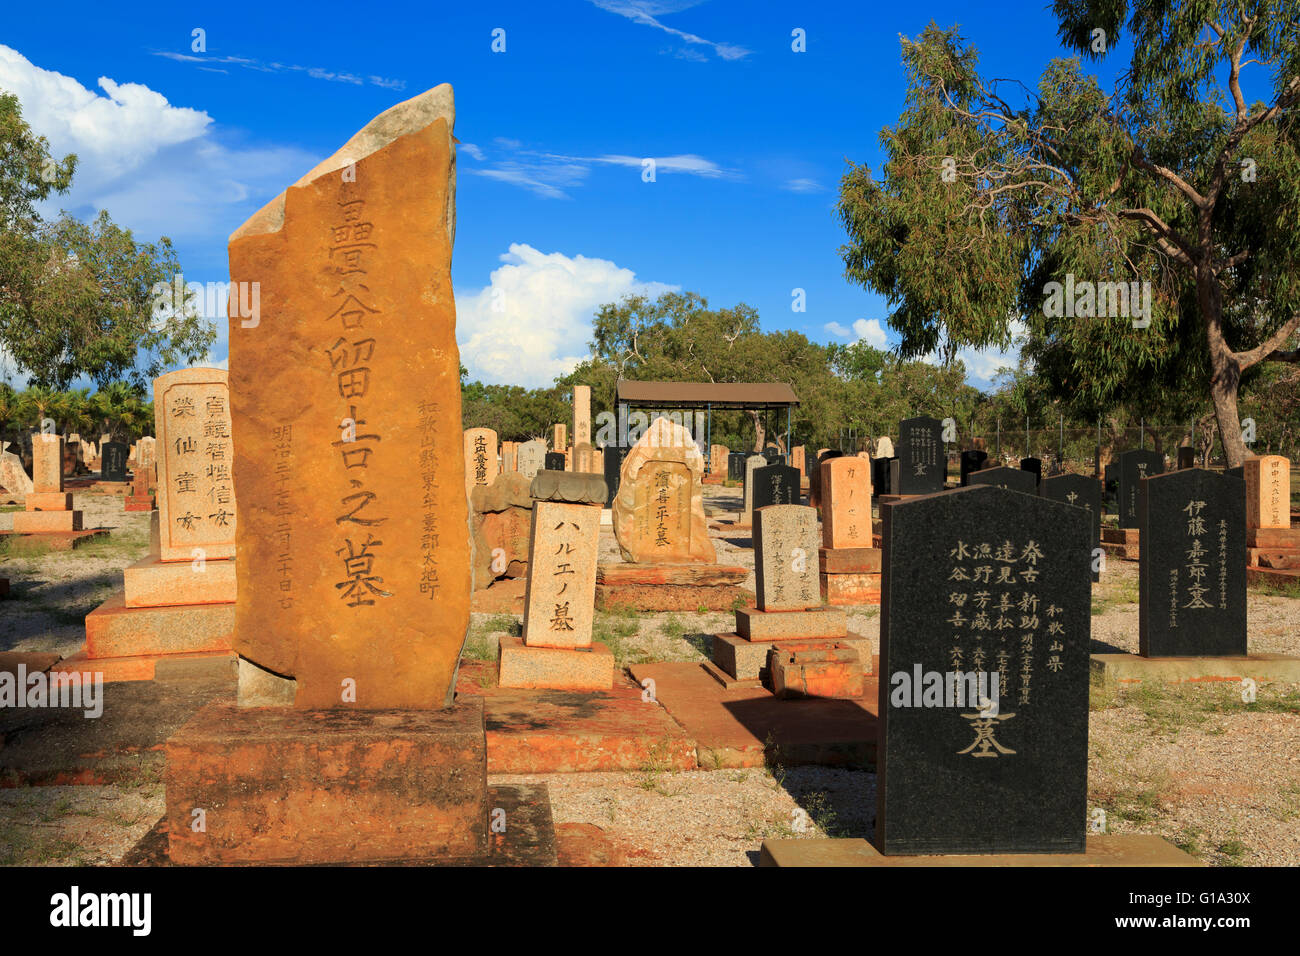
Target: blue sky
(750, 140)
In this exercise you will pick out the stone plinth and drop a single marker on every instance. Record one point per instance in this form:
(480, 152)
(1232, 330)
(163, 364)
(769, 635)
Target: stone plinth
(1107, 849)
(151, 582)
(46, 522)
(553, 668)
(849, 576)
(683, 587)
(834, 671)
(797, 653)
(115, 630)
(48, 501)
(289, 786)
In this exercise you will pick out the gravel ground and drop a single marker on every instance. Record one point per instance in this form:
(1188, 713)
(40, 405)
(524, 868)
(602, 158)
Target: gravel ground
(1190, 763)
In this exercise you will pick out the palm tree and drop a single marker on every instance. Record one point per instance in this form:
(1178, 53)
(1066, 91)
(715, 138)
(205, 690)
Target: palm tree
(121, 409)
(39, 403)
(9, 408)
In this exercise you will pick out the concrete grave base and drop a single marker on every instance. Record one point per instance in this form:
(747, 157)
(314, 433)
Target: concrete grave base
(1105, 849)
(746, 660)
(46, 522)
(671, 587)
(288, 786)
(115, 630)
(1274, 577)
(745, 726)
(147, 667)
(555, 668)
(50, 541)
(1133, 667)
(529, 838)
(139, 503)
(846, 590)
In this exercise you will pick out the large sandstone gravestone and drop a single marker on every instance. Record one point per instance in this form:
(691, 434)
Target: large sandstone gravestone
(502, 516)
(1083, 492)
(658, 513)
(1192, 565)
(581, 415)
(47, 464)
(146, 452)
(358, 323)
(956, 775)
(196, 487)
(1133, 467)
(531, 458)
(1268, 492)
(846, 503)
(481, 463)
(921, 462)
(13, 477)
(785, 571)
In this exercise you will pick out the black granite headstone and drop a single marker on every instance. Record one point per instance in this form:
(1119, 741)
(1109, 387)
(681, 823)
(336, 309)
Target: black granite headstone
(1192, 565)
(1013, 479)
(815, 479)
(1238, 472)
(971, 461)
(776, 485)
(771, 453)
(1082, 492)
(921, 463)
(1186, 457)
(554, 461)
(736, 466)
(1035, 467)
(112, 460)
(981, 581)
(880, 476)
(1133, 467)
(1110, 489)
(614, 456)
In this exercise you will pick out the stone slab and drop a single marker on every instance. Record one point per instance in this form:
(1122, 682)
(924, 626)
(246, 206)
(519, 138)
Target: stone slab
(658, 597)
(149, 667)
(554, 668)
(746, 660)
(46, 522)
(1259, 667)
(49, 501)
(328, 786)
(786, 538)
(1103, 849)
(529, 839)
(573, 731)
(1287, 580)
(115, 630)
(151, 582)
(850, 590)
(677, 575)
(849, 560)
(748, 727)
(51, 541)
(774, 625)
(833, 671)
(1273, 538)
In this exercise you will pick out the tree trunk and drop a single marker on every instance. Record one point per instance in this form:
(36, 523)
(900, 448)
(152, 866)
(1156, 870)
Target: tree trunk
(1226, 371)
(759, 433)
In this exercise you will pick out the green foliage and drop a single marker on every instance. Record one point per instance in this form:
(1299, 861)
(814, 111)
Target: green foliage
(77, 298)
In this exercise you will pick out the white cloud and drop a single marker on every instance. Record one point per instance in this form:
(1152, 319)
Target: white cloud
(159, 169)
(549, 175)
(868, 330)
(315, 72)
(983, 364)
(471, 149)
(647, 12)
(802, 186)
(532, 322)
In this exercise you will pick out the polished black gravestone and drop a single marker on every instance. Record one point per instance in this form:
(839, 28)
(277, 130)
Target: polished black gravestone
(554, 461)
(971, 461)
(920, 457)
(776, 485)
(815, 479)
(1192, 565)
(112, 460)
(1081, 492)
(1013, 479)
(772, 453)
(1110, 493)
(614, 455)
(980, 580)
(1133, 467)
(1238, 472)
(880, 474)
(1186, 458)
(736, 466)
(1035, 467)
